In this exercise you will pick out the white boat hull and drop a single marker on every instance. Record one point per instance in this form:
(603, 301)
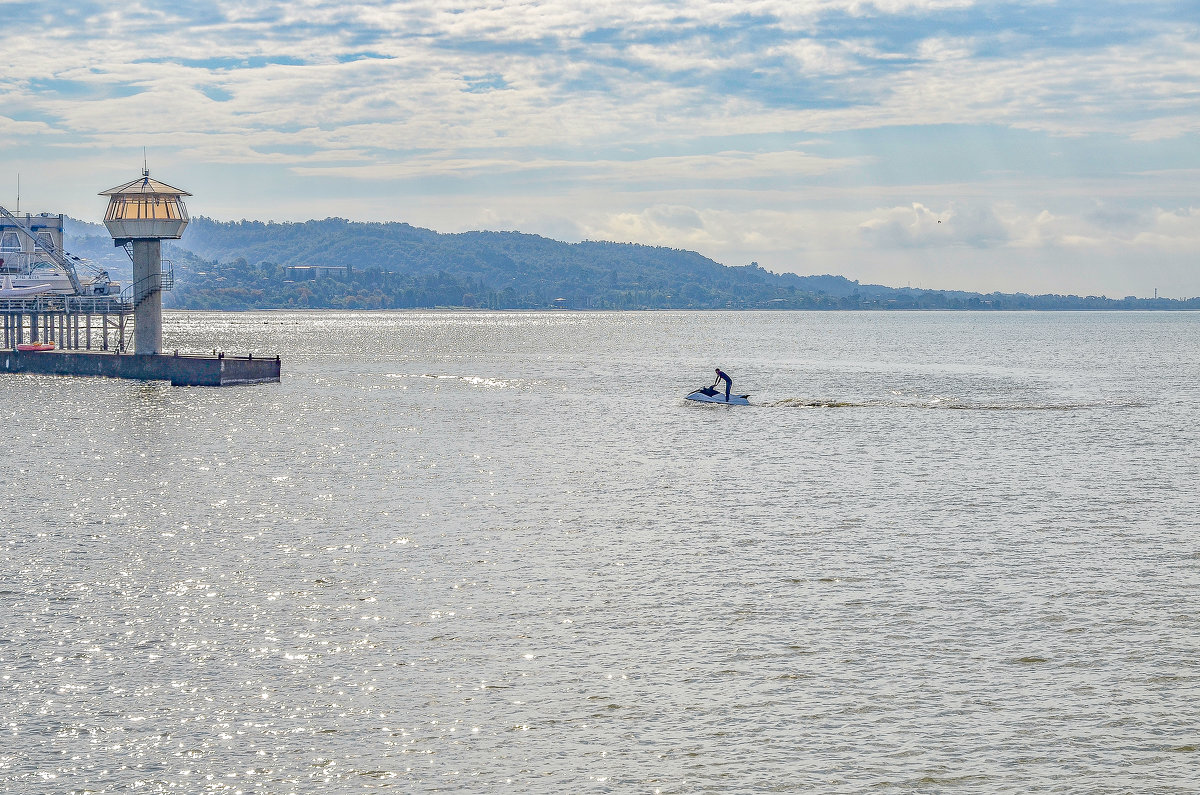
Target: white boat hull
(710, 395)
(9, 289)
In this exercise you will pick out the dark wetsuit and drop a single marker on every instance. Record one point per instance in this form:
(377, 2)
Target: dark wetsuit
(728, 383)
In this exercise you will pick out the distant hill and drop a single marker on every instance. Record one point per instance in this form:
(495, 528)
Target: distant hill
(335, 263)
(398, 265)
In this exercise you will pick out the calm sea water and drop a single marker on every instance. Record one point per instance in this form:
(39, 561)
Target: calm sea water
(499, 552)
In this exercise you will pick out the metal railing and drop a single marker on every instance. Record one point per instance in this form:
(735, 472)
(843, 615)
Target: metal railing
(32, 304)
(134, 294)
(97, 304)
(71, 304)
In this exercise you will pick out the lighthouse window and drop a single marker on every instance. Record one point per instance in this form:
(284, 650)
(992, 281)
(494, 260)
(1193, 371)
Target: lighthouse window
(129, 208)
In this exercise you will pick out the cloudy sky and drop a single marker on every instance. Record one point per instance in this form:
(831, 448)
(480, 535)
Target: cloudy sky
(1030, 145)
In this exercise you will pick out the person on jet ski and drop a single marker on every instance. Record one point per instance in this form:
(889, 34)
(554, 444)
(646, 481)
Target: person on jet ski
(728, 383)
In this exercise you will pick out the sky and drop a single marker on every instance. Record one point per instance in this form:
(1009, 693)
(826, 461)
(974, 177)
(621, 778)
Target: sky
(1016, 146)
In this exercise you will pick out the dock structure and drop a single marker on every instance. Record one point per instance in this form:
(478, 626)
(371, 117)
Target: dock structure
(89, 328)
(71, 322)
(180, 370)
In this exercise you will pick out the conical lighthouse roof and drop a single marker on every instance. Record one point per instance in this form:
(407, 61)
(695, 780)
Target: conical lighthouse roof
(145, 185)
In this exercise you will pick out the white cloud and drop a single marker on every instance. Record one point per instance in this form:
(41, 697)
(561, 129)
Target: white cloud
(731, 167)
(669, 123)
(416, 92)
(903, 226)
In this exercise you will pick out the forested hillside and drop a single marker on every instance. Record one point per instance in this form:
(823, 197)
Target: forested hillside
(267, 265)
(397, 265)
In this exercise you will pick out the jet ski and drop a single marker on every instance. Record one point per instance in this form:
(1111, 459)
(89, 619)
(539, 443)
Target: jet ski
(709, 395)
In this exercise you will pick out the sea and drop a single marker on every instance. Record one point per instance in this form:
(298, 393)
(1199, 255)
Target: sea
(499, 552)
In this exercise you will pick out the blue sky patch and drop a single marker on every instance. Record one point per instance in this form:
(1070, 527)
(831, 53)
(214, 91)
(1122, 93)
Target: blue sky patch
(83, 90)
(216, 94)
(480, 84)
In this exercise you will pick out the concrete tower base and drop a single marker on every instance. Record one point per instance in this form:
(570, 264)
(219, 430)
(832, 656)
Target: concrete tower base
(147, 297)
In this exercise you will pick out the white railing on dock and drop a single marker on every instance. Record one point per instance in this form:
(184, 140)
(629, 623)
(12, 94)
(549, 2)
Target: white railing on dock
(98, 305)
(59, 304)
(31, 304)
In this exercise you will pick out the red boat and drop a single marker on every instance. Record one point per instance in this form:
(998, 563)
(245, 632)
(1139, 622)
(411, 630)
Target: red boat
(28, 347)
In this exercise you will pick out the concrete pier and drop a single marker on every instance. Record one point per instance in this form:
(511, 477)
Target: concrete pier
(141, 214)
(185, 370)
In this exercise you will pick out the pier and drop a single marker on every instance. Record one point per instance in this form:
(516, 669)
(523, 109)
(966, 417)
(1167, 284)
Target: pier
(71, 322)
(92, 335)
(56, 323)
(179, 369)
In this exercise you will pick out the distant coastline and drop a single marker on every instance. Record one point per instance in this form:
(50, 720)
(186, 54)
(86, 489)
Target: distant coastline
(340, 264)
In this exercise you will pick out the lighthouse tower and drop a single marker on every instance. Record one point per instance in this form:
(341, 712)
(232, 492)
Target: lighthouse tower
(140, 215)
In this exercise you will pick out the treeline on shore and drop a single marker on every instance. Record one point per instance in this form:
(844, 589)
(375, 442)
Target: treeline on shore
(339, 264)
(239, 286)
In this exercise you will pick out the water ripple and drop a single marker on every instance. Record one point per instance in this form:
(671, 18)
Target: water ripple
(491, 551)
